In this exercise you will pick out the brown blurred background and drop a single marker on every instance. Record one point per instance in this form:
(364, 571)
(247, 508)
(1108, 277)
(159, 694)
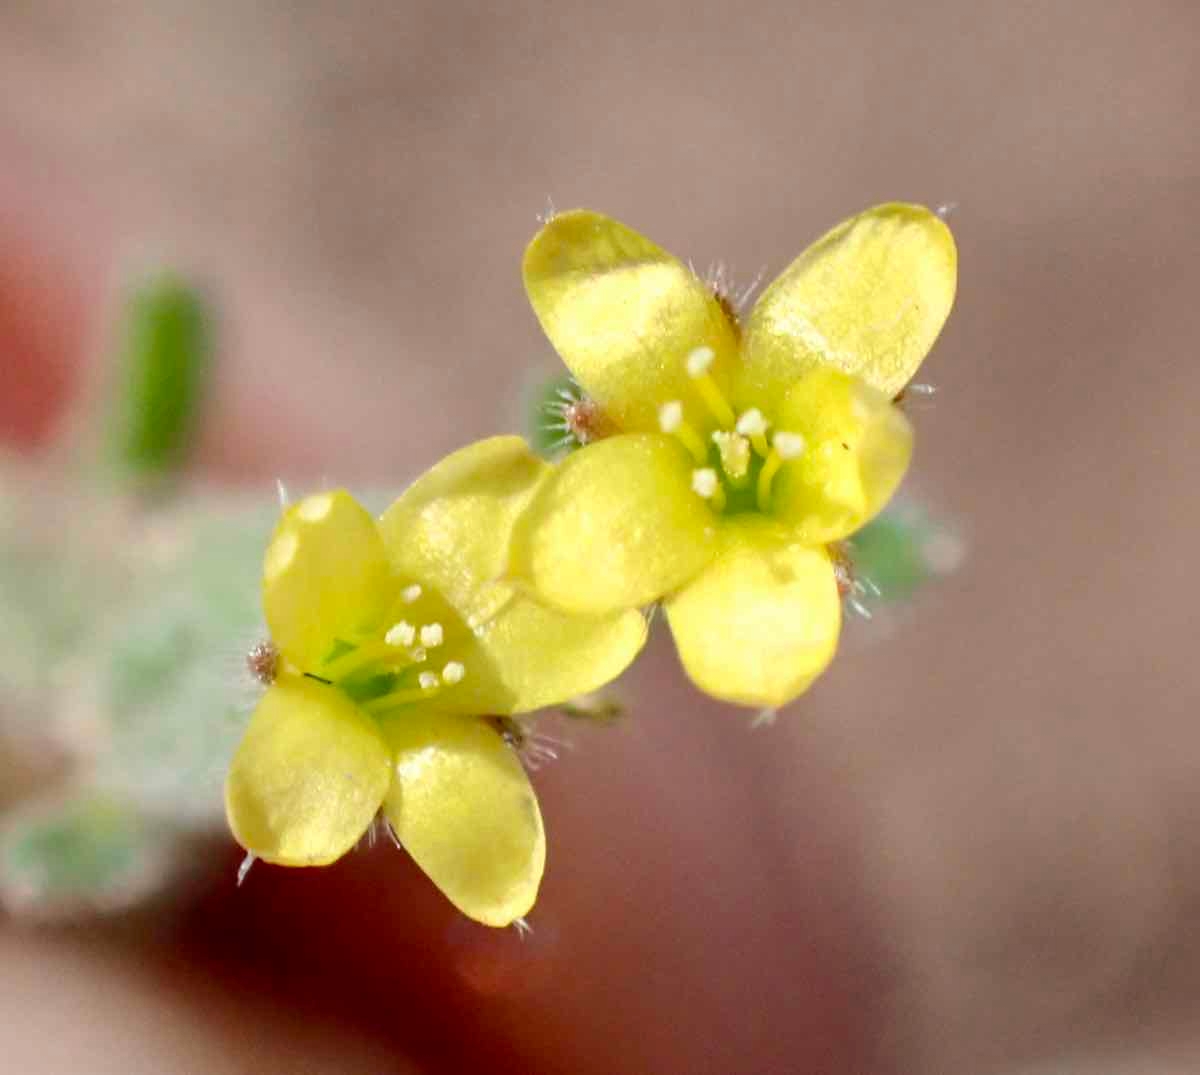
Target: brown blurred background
(973, 847)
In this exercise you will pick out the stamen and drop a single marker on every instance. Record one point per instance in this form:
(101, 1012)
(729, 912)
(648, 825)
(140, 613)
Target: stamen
(670, 420)
(410, 593)
(431, 635)
(698, 363)
(752, 424)
(453, 672)
(366, 654)
(784, 446)
(765, 477)
(401, 634)
(428, 681)
(735, 454)
(706, 484)
(788, 445)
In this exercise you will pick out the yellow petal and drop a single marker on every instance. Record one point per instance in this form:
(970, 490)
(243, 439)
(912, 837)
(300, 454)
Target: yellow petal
(857, 448)
(462, 806)
(325, 576)
(615, 527)
(624, 315)
(451, 528)
(870, 298)
(762, 622)
(310, 774)
(540, 656)
(450, 531)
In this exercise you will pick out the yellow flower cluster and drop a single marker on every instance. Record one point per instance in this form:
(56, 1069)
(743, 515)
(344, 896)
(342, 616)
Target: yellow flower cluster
(733, 454)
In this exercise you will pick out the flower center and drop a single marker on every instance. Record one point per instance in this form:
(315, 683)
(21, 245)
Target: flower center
(405, 662)
(736, 469)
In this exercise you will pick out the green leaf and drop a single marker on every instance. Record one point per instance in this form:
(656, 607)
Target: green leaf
(164, 356)
(81, 854)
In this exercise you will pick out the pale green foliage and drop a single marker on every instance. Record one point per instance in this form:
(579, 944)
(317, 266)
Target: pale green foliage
(126, 651)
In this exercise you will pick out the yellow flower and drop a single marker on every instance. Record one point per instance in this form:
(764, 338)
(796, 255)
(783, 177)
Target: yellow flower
(394, 646)
(742, 449)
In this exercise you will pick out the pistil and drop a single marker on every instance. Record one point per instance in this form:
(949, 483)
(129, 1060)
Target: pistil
(734, 450)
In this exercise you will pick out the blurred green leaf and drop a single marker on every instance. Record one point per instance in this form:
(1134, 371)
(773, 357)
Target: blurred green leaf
(164, 355)
(85, 852)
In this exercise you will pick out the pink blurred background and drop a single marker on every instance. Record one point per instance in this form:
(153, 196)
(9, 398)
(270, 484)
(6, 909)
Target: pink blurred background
(973, 847)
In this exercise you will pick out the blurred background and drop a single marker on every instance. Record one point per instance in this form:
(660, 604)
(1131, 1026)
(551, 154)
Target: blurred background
(974, 846)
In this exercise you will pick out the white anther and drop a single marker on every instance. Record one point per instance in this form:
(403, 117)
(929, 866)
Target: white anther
(410, 593)
(752, 423)
(427, 680)
(670, 416)
(704, 482)
(788, 445)
(454, 672)
(699, 361)
(418, 655)
(401, 634)
(431, 635)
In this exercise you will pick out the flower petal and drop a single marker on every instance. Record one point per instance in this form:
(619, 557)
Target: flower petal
(857, 448)
(310, 774)
(624, 315)
(762, 622)
(462, 806)
(541, 656)
(869, 297)
(450, 531)
(451, 528)
(616, 526)
(325, 575)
